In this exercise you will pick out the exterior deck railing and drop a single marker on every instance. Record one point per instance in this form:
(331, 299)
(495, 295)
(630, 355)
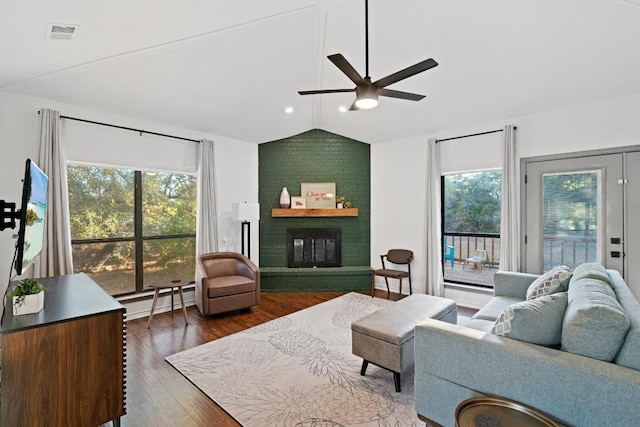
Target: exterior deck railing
(557, 250)
(568, 250)
(466, 243)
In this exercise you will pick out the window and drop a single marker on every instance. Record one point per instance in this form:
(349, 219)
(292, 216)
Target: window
(132, 228)
(471, 221)
(570, 216)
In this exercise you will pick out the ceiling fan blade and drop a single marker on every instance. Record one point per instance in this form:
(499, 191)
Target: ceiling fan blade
(407, 72)
(401, 95)
(315, 92)
(344, 65)
(353, 107)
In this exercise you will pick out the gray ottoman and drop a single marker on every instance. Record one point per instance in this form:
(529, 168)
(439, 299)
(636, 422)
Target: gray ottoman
(385, 337)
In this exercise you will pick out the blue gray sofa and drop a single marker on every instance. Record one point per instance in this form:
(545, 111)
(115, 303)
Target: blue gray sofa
(591, 377)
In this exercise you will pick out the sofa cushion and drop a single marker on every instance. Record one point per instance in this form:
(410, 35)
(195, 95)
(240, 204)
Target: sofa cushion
(494, 308)
(537, 321)
(629, 354)
(590, 270)
(554, 280)
(594, 325)
(228, 285)
(483, 325)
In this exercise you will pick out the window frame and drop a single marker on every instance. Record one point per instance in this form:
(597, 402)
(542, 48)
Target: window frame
(138, 239)
(475, 235)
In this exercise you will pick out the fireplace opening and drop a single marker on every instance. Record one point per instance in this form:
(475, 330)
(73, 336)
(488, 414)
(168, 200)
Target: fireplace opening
(314, 247)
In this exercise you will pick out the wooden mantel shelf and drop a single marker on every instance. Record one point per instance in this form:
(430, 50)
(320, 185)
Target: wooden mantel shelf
(324, 212)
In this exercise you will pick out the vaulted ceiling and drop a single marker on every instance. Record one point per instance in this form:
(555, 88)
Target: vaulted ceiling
(232, 67)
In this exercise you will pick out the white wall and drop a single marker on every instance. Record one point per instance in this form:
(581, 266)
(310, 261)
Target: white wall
(398, 168)
(236, 161)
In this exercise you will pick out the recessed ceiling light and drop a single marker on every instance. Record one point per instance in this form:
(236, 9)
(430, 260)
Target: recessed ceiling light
(343, 109)
(288, 110)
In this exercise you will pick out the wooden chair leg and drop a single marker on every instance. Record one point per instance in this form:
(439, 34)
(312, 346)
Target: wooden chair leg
(184, 308)
(387, 282)
(153, 306)
(410, 290)
(373, 284)
(400, 285)
(172, 301)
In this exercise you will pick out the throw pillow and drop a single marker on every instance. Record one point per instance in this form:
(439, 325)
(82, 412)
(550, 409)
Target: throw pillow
(536, 321)
(554, 280)
(591, 270)
(595, 325)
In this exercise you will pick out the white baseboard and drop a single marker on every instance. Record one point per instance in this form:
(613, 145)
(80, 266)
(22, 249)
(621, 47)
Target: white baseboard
(463, 295)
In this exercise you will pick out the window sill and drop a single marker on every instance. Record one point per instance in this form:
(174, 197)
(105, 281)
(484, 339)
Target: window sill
(148, 294)
(477, 289)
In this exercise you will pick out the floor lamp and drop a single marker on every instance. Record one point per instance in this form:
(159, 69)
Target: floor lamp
(246, 212)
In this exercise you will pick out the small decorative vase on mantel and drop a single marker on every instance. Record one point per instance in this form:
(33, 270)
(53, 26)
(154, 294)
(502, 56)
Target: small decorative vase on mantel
(285, 199)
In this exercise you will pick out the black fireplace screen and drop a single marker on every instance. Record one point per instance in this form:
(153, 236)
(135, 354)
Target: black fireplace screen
(314, 247)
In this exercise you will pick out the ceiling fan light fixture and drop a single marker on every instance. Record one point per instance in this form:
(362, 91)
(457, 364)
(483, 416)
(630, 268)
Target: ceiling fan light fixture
(366, 97)
(367, 91)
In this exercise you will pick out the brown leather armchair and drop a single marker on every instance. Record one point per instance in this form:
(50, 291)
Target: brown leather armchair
(230, 281)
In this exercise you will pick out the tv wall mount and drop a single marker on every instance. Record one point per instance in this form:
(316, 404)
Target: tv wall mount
(8, 215)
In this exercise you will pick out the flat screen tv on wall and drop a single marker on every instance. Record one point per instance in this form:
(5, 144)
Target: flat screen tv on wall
(32, 215)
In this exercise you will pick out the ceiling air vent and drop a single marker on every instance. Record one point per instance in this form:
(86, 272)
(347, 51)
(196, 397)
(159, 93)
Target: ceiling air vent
(61, 31)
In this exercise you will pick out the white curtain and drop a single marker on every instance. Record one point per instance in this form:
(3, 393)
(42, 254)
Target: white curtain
(56, 258)
(434, 279)
(509, 212)
(207, 218)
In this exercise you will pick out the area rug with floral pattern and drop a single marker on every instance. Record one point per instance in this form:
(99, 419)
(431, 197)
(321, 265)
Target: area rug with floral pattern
(298, 370)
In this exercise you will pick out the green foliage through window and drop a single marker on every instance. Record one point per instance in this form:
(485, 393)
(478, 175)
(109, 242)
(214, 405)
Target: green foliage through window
(472, 202)
(101, 201)
(105, 206)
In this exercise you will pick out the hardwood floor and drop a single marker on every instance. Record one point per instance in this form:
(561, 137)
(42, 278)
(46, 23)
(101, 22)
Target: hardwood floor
(158, 395)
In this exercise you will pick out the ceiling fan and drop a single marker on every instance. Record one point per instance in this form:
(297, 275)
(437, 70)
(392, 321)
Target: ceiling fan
(367, 92)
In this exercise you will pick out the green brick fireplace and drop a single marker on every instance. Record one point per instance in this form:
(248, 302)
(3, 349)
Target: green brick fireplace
(315, 156)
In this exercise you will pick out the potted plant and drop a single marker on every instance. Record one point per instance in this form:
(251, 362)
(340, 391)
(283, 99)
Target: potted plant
(28, 297)
(342, 202)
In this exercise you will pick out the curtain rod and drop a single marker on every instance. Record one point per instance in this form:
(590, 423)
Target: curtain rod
(140, 131)
(470, 135)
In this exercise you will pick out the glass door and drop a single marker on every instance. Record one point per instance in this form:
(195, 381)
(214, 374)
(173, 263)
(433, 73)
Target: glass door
(632, 225)
(571, 218)
(574, 212)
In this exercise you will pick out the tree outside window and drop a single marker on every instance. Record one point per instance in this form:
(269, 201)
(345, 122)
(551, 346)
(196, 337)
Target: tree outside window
(471, 220)
(132, 228)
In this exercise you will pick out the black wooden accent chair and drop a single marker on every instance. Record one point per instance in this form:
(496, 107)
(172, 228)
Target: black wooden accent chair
(394, 256)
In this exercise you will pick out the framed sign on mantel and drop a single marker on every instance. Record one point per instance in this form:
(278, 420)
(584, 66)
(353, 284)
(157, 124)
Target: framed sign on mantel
(319, 194)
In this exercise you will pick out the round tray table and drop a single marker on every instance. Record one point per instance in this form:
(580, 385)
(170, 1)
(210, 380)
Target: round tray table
(495, 412)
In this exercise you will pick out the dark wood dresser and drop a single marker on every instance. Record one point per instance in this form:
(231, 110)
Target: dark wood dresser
(64, 366)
